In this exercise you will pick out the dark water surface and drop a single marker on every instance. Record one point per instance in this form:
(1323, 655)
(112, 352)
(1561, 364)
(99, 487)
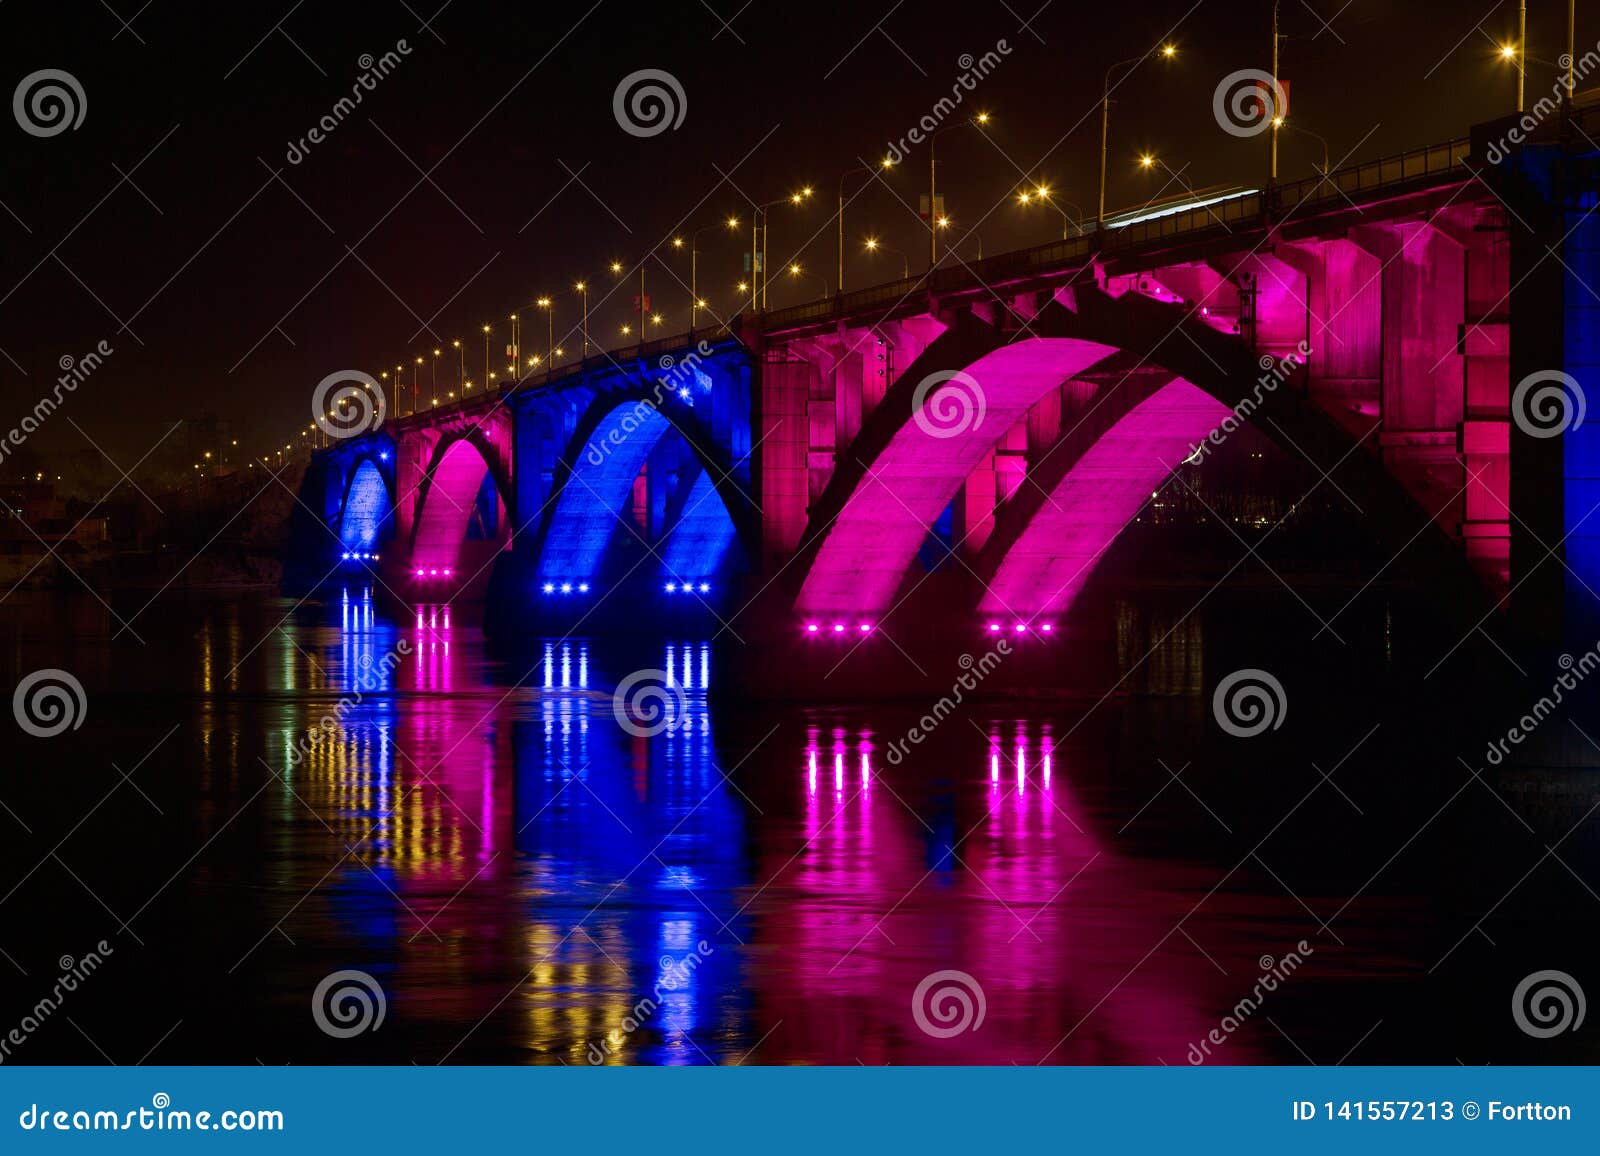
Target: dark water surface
(530, 883)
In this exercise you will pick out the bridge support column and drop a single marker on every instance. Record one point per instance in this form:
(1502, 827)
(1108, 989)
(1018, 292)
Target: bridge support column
(1422, 391)
(1555, 329)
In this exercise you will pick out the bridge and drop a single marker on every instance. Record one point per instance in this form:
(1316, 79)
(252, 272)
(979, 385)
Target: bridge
(1004, 420)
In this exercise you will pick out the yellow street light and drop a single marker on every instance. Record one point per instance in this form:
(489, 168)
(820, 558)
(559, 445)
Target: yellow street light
(1146, 160)
(1169, 50)
(1508, 51)
(982, 118)
(616, 266)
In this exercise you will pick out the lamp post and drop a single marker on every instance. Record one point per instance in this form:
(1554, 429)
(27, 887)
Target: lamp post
(978, 122)
(1277, 120)
(486, 378)
(758, 245)
(550, 318)
(583, 288)
(1041, 195)
(461, 367)
(435, 371)
(695, 303)
(886, 163)
(1522, 51)
(873, 245)
(1282, 123)
(1168, 52)
(399, 388)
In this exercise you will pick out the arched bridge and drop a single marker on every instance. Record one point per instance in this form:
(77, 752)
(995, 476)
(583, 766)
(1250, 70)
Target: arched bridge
(1006, 420)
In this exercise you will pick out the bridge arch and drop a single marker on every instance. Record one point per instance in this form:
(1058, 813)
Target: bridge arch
(707, 518)
(465, 507)
(901, 472)
(366, 508)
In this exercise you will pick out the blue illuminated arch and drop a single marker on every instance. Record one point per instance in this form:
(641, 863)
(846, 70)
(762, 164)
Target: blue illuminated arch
(596, 489)
(366, 520)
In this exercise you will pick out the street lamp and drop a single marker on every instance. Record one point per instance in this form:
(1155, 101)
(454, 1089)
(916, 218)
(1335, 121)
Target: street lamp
(1513, 54)
(695, 304)
(516, 341)
(1283, 123)
(1168, 52)
(435, 371)
(886, 163)
(873, 245)
(796, 271)
(461, 368)
(583, 288)
(978, 122)
(550, 317)
(1041, 196)
(758, 245)
(486, 378)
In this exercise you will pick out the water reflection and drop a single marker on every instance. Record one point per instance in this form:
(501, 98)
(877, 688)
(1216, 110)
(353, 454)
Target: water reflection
(528, 878)
(514, 827)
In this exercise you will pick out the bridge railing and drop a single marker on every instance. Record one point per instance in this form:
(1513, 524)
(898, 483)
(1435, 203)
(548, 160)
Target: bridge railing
(1409, 166)
(1246, 211)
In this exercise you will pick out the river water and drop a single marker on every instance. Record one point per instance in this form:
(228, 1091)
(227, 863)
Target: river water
(522, 879)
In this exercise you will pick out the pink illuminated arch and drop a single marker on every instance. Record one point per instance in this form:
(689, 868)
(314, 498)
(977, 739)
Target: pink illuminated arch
(446, 507)
(867, 550)
(1045, 567)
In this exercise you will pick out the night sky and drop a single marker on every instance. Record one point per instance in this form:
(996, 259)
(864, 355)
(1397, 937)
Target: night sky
(488, 169)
